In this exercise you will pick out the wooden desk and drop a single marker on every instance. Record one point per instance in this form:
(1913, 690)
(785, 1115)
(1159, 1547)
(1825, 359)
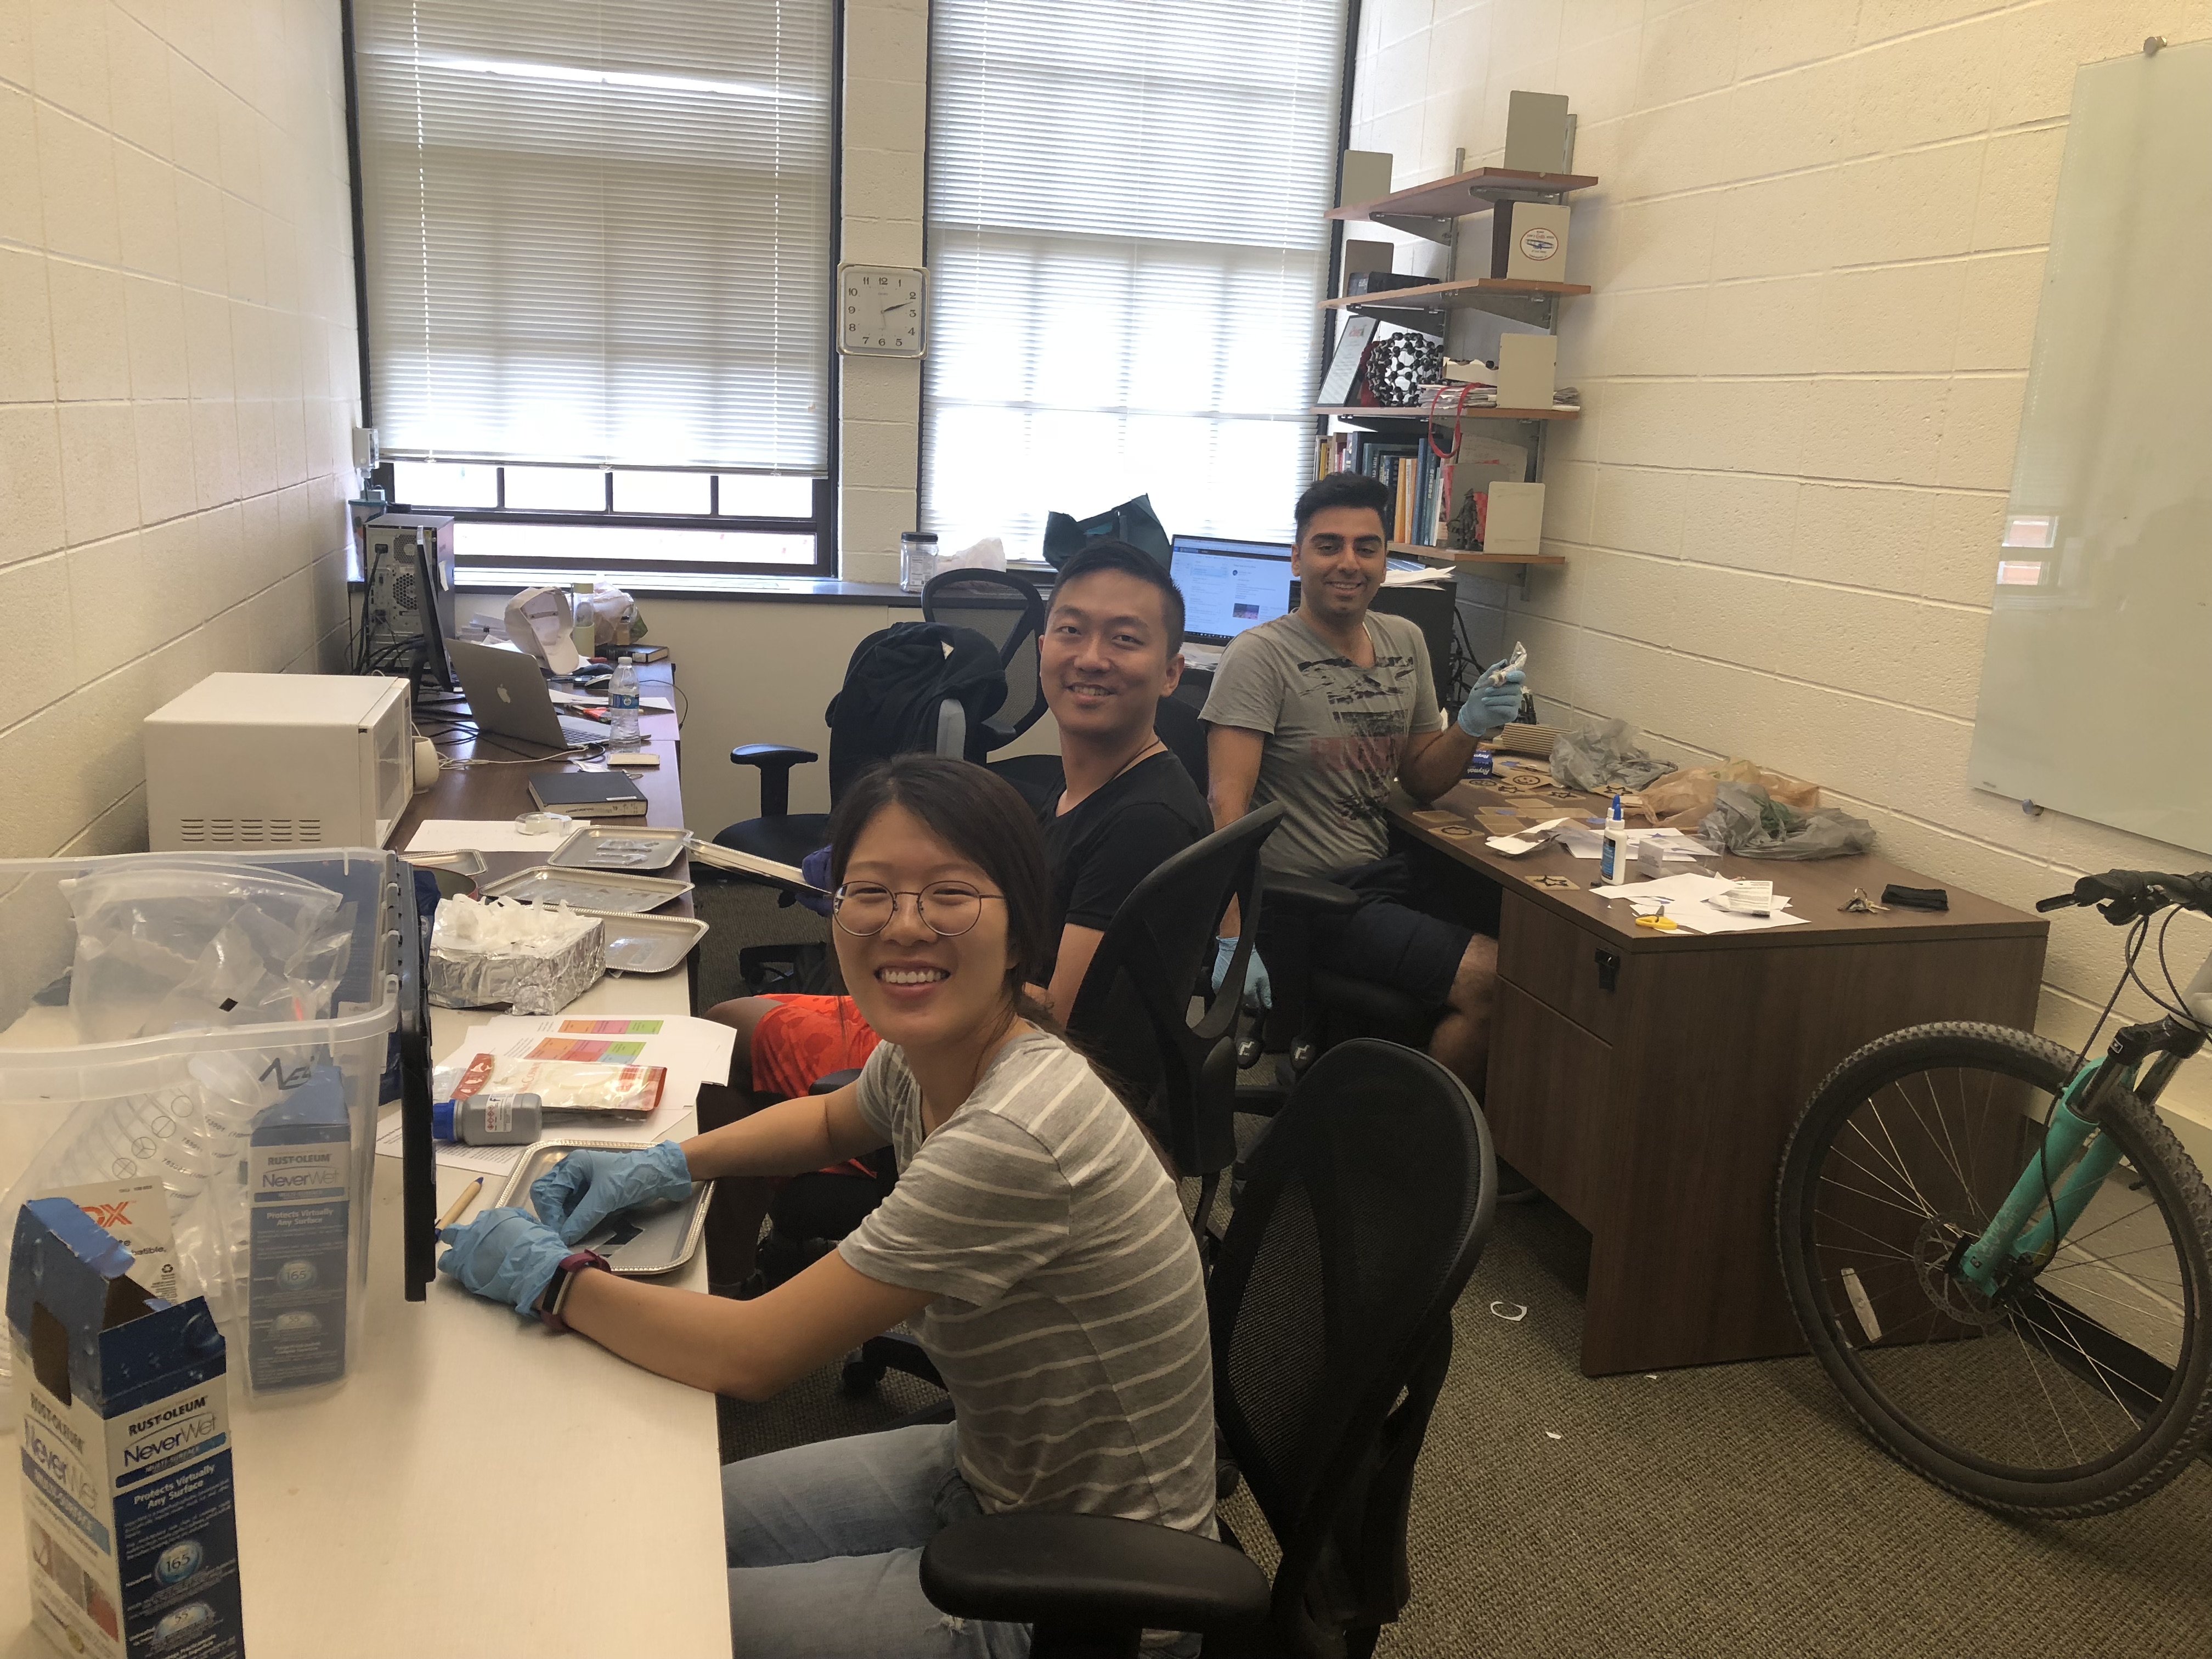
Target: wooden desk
(503, 791)
(1646, 1082)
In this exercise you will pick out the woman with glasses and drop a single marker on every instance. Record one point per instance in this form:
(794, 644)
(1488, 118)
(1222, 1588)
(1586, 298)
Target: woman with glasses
(1034, 1244)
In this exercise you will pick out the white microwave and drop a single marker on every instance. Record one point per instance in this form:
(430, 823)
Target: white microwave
(279, 760)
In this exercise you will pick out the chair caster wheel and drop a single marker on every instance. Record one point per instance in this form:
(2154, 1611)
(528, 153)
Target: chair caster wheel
(858, 1378)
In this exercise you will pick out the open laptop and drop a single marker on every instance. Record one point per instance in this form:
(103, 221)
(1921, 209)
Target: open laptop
(508, 697)
(1227, 587)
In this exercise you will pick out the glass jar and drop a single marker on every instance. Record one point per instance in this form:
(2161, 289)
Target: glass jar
(917, 559)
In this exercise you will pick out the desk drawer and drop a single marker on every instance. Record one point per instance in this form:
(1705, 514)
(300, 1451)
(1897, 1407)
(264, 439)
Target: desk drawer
(1554, 1114)
(1576, 972)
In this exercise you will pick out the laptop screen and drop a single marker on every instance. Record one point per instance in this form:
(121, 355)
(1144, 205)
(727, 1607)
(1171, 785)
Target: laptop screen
(1229, 586)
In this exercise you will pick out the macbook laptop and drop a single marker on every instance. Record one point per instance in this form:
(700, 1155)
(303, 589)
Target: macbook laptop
(508, 697)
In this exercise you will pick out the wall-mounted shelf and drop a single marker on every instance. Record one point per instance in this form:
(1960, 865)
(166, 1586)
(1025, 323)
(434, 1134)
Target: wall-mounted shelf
(1460, 556)
(1425, 308)
(1420, 412)
(1429, 209)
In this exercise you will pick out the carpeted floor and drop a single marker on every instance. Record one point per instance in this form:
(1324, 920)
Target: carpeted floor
(1730, 1510)
(1727, 1511)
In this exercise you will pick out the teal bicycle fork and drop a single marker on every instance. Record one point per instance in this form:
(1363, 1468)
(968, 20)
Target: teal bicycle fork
(2065, 1174)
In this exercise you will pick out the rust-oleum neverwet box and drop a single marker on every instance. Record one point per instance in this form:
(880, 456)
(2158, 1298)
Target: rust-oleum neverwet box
(127, 1504)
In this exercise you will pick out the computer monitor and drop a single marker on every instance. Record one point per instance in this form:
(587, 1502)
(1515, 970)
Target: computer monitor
(1229, 586)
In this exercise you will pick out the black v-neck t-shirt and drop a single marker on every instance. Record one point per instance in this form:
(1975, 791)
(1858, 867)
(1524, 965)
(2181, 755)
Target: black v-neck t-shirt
(1118, 835)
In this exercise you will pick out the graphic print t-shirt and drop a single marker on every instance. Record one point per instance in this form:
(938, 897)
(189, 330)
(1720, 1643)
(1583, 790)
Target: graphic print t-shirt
(1333, 733)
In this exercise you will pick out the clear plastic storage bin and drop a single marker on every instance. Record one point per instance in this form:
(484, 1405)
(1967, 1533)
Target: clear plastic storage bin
(250, 1145)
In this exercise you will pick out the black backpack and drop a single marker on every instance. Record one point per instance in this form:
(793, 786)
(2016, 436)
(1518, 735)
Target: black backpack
(893, 685)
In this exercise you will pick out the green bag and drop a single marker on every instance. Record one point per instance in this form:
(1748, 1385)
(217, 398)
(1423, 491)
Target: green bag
(1133, 522)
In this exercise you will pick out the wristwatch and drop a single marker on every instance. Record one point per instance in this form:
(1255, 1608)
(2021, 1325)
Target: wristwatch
(554, 1297)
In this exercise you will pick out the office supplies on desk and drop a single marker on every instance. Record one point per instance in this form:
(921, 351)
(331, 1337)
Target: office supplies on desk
(459, 1206)
(587, 794)
(1527, 841)
(508, 697)
(1685, 896)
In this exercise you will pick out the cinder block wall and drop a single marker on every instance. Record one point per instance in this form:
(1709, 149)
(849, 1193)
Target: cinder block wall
(177, 380)
(886, 134)
(1817, 247)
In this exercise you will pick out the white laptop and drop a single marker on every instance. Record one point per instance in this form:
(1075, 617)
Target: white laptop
(508, 697)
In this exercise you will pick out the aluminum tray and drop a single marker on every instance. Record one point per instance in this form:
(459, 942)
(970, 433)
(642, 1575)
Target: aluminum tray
(649, 945)
(653, 1238)
(604, 892)
(620, 845)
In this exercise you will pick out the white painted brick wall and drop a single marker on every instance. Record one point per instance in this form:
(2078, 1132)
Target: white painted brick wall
(1818, 248)
(879, 428)
(178, 378)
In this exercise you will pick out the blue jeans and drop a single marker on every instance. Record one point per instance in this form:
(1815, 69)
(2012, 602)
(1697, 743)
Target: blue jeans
(825, 1550)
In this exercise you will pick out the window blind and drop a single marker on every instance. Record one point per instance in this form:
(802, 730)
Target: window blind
(598, 231)
(1126, 247)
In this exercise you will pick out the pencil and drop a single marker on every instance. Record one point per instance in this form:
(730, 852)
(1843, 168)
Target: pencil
(468, 1197)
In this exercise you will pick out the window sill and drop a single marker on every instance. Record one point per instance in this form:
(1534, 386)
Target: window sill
(773, 590)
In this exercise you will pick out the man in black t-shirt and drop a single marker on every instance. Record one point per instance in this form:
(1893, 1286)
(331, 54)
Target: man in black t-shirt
(1112, 648)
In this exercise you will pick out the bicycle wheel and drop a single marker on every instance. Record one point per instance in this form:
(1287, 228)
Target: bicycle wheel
(2085, 1384)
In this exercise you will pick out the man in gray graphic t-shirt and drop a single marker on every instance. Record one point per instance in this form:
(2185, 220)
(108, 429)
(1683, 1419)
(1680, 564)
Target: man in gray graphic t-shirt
(1324, 710)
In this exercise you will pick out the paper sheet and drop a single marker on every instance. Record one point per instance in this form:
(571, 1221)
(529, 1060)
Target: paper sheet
(1585, 842)
(1528, 841)
(1687, 895)
(477, 835)
(694, 1051)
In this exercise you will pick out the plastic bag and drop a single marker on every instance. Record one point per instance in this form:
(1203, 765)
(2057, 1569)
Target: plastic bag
(534, 958)
(1746, 819)
(989, 553)
(166, 947)
(1603, 758)
(615, 617)
(1682, 799)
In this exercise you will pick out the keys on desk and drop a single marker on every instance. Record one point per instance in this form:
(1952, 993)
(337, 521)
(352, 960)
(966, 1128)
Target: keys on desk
(1859, 904)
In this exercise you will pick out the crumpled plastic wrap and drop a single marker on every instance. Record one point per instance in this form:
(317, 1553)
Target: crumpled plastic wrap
(1604, 758)
(531, 958)
(1682, 799)
(167, 946)
(1747, 820)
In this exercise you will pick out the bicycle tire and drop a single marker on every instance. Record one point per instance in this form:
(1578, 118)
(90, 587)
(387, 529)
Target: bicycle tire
(2169, 1434)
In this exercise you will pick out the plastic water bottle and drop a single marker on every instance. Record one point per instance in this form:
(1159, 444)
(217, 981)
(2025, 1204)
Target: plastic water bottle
(622, 707)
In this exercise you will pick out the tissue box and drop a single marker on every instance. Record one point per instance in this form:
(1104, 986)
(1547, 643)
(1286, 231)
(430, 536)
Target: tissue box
(533, 959)
(126, 1476)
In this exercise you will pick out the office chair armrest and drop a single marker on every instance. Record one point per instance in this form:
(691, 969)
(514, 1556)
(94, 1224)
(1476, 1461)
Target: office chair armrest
(775, 761)
(1091, 1571)
(1307, 895)
(832, 1082)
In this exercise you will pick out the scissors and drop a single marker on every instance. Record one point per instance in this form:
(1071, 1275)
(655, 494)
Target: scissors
(1659, 920)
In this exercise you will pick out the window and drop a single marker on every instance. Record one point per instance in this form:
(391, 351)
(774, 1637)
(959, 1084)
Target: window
(598, 274)
(1127, 249)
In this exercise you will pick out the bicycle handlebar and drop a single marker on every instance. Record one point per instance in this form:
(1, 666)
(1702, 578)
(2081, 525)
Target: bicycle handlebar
(2126, 894)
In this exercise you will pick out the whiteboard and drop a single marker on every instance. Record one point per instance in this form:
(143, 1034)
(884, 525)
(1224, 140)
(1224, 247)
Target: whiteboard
(2097, 683)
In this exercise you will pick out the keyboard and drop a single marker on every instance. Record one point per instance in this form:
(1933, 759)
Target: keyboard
(579, 731)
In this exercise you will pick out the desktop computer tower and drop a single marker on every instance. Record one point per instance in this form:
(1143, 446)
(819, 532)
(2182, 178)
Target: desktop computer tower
(408, 597)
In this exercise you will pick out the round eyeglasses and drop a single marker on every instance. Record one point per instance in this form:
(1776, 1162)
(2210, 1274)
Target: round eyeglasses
(948, 908)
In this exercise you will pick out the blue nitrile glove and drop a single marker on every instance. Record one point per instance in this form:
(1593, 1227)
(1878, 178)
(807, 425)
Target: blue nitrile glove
(587, 1186)
(815, 866)
(1489, 707)
(505, 1254)
(1257, 986)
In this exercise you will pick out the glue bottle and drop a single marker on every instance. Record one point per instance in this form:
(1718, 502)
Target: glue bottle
(1612, 856)
(488, 1120)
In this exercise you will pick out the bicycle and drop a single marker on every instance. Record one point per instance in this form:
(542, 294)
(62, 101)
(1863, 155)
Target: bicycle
(2002, 1255)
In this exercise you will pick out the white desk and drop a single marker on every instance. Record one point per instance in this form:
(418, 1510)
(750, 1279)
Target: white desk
(477, 1485)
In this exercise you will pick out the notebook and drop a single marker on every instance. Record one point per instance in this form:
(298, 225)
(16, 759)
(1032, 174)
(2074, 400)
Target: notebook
(588, 794)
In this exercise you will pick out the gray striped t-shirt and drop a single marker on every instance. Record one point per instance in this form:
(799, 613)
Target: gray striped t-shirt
(1069, 1322)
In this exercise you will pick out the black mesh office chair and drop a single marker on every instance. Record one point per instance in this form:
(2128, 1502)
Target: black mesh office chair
(1316, 1006)
(1330, 1301)
(961, 729)
(1010, 612)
